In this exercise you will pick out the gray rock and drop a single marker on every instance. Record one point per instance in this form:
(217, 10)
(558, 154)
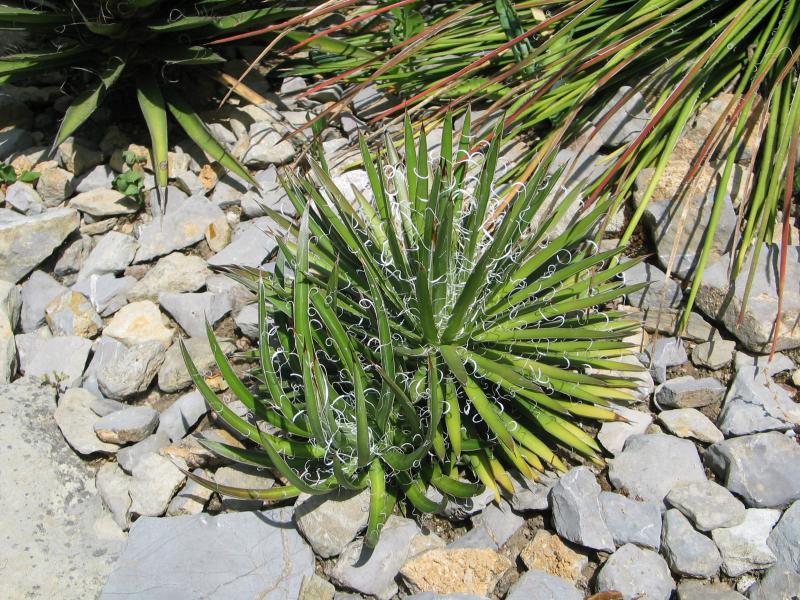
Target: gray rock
(690, 423)
(374, 572)
(651, 296)
(721, 299)
(183, 414)
(779, 363)
(113, 485)
(651, 465)
(139, 323)
(779, 583)
(663, 353)
(250, 246)
(99, 177)
(71, 313)
(55, 185)
(315, 587)
(10, 302)
(131, 371)
(73, 256)
(106, 292)
(492, 528)
(714, 354)
(192, 499)
(190, 184)
(39, 291)
(75, 419)
(755, 403)
(183, 225)
(532, 495)
(784, 541)
(613, 434)
(8, 350)
(192, 311)
(104, 406)
(707, 504)
(538, 585)
(238, 293)
(129, 425)
(577, 516)
(688, 392)
(53, 525)
(59, 360)
(332, 521)
(13, 140)
(763, 469)
(173, 376)
(155, 481)
(636, 573)
(691, 589)
(25, 241)
(631, 522)
(247, 321)
(228, 192)
(628, 121)
(242, 476)
(267, 148)
(461, 508)
(666, 321)
(744, 546)
(174, 273)
(688, 552)
(272, 195)
(77, 158)
(102, 202)
(23, 198)
(130, 456)
(265, 558)
(112, 254)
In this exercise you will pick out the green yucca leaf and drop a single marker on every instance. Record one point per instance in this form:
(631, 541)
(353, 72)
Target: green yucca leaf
(151, 101)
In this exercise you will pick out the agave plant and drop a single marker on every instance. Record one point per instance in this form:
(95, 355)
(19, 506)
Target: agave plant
(156, 46)
(405, 344)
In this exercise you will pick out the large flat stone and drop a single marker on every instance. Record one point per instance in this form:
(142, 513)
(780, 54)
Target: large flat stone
(56, 540)
(231, 556)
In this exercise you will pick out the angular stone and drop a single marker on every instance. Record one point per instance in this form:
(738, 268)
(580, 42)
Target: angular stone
(104, 406)
(651, 296)
(536, 585)
(192, 499)
(173, 376)
(71, 313)
(688, 392)
(13, 140)
(265, 558)
(10, 302)
(139, 322)
(250, 247)
(183, 225)
(691, 589)
(690, 423)
(755, 403)
(547, 553)
(107, 293)
(242, 476)
(267, 148)
(129, 456)
(577, 516)
(27, 241)
(73, 256)
(192, 311)
(132, 372)
(182, 415)
(779, 363)
(99, 177)
(492, 528)
(374, 572)
(39, 291)
(784, 541)
(54, 185)
(455, 571)
(744, 546)
(778, 582)
(763, 469)
(112, 254)
(721, 299)
(663, 353)
(707, 504)
(23, 198)
(104, 203)
(626, 122)
(247, 321)
(714, 354)
(76, 420)
(688, 552)
(195, 454)
(651, 465)
(532, 495)
(8, 350)
(613, 434)
(126, 426)
(315, 587)
(631, 522)
(59, 361)
(174, 273)
(636, 573)
(53, 525)
(113, 485)
(332, 521)
(77, 158)
(155, 481)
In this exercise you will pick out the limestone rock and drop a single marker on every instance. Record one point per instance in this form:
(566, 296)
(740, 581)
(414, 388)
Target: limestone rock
(784, 540)
(112, 254)
(59, 360)
(332, 521)
(455, 570)
(132, 371)
(173, 376)
(155, 481)
(636, 572)
(183, 414)
(707, 504)
(72, 314)
(613, 434)
(139, 322)
(688, 392)
(76, 420)
(688, 552)
(690, 423)
(192, 311)
(104, 203)
(175, 273)
(37, 292)
(577, 515)
(128, 425)
(546, 552)
(632, 522)
(744, 547)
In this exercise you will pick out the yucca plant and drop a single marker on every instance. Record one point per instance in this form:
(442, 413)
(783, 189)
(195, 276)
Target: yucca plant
(157, 48)
(405, 344)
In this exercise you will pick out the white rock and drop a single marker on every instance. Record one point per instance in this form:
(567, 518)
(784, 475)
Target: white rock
(139, 322)
(76, 420)
(155, 481)
(744, 546)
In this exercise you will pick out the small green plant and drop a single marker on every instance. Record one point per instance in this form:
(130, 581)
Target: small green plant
(408, 341)
(8, 175)
(131, 182)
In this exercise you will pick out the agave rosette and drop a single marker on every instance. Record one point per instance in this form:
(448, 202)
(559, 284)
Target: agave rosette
(407, 342)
